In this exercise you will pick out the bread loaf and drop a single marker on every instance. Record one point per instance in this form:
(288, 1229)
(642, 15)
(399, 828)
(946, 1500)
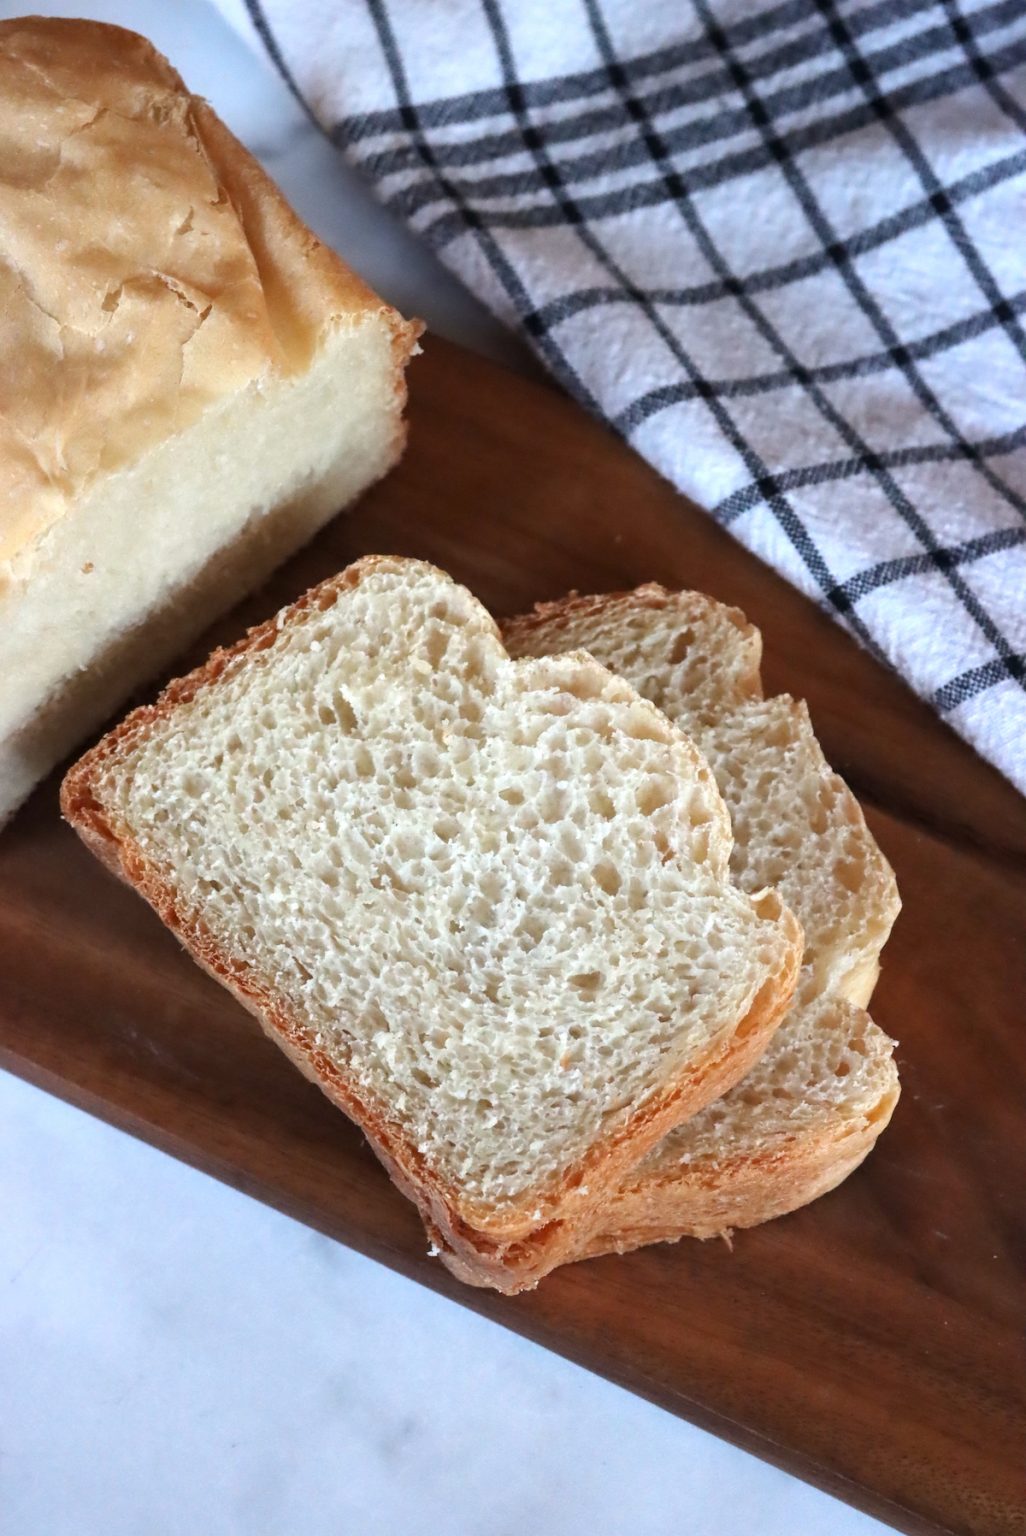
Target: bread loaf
(485, 904)
(190, 382)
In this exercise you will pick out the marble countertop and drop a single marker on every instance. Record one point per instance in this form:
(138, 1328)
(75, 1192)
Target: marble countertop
(177, 1360)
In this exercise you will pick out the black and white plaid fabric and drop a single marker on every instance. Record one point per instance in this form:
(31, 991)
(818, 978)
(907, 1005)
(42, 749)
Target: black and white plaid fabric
(780, 247)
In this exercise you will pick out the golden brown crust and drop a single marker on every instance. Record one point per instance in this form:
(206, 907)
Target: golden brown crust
(562, 613)
(306, 284)
(515, 1266)
(514, 1248)
(148, 267)
(713, 1199)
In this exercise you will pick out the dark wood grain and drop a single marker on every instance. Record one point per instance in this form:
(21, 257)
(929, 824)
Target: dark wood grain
(872, 1343)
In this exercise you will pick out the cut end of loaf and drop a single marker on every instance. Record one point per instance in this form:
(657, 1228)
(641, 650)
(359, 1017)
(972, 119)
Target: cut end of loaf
(153, 552)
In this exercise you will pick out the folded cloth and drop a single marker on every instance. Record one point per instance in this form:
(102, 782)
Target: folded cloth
(778, 247)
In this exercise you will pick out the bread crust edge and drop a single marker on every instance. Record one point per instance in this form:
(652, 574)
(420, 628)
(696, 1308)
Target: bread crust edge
(715, 1199)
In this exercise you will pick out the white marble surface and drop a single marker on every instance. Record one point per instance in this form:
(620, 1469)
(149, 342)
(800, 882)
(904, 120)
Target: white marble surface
(176, 1360)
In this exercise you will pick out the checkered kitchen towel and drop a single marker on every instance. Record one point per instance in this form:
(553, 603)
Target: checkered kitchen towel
(780, 247)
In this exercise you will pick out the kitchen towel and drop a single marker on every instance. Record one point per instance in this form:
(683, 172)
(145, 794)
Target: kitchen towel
(780, 248)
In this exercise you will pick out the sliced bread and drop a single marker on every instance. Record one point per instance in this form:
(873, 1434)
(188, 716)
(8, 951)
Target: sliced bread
(797, 826)
(803, 1118)
(812, 1107)
(485, 904)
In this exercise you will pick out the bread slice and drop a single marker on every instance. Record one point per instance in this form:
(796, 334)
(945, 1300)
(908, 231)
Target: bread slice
(485, 904)
(797, 826)
(803, 1118)
(809, 1111)
(191, 384)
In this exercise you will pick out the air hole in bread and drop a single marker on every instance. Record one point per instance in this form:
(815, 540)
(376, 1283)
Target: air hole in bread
(601, 803)
(682, 643)
(849, 874)
(587, 981)
(654, 794)
(607, 876)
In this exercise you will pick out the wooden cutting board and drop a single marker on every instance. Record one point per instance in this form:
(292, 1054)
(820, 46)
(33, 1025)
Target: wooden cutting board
(872, 1343)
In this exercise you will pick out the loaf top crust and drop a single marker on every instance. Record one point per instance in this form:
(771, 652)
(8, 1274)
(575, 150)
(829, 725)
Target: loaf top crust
(149, 268)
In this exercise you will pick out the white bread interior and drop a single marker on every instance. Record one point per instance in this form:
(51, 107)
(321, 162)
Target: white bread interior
(811, 1108)
(797, 826)
(190, 383)
(486, 903)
